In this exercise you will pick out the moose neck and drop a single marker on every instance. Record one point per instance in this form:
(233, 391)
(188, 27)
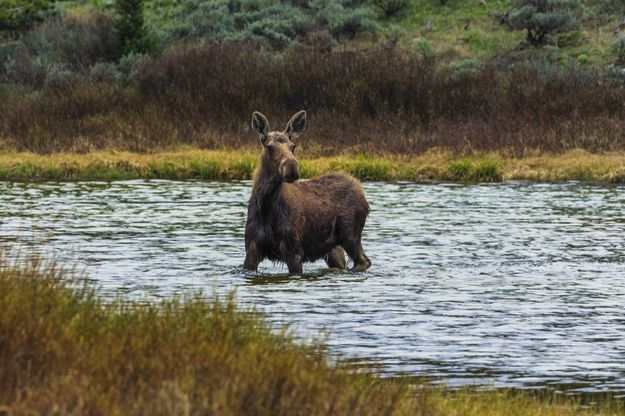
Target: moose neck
(267, 184)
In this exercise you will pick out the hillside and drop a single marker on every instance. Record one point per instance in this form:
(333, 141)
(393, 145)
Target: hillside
(462, 32)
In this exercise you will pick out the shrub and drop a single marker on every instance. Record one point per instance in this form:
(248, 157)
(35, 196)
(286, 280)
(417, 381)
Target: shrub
(423, 47)
(273, 23)
(611, 6)
(618, 48)
(543, 17)
(105, 72)
(19, 15)
(379, 100)
(66, 44)
(391, 7)
(583, 58)
(342, 21)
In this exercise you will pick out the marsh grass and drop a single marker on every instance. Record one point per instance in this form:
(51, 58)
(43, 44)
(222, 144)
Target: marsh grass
(63, 350)
(191, 163)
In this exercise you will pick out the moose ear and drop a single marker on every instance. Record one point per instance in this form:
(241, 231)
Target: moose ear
(296, 125)
(260, 124)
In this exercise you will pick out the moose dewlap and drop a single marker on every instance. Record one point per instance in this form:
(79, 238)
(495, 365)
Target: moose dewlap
(295, 221)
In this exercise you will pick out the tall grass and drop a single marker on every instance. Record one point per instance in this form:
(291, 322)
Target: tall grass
(240, 164)
(377, 100)
(65, 351)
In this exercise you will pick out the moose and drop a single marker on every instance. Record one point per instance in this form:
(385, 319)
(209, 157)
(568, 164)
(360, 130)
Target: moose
(292, 221)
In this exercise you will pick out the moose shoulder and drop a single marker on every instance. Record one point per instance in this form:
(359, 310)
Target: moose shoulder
(295, 221)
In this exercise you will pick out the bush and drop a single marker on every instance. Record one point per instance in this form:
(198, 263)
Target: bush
(65, 44)
(20, 15)
(543, 17)
(379, 100)
(610, 7)
(423, 47)
(391, 7)
(342, 21)
(619, 50)
(105, 72)
(272, 23)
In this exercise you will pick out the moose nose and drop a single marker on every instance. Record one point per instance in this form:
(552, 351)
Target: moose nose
(291, 178)
(290, 171)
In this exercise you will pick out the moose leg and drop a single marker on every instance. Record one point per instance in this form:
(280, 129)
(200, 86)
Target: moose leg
(293, 256)
(335, 259)
(252, 258)
(356, 253)
(294, 263)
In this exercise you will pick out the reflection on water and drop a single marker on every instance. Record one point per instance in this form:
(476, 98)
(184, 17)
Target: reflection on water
(506, 284)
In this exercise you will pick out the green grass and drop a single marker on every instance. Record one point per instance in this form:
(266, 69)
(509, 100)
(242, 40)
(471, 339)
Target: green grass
(192, 163)
(474, 170)
(63, 350)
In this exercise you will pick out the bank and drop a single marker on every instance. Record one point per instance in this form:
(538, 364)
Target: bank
(192, 163)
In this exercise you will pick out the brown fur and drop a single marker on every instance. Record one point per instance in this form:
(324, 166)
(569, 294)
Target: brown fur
(295, 221)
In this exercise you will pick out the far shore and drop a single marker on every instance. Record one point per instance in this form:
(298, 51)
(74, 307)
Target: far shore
(433, 166)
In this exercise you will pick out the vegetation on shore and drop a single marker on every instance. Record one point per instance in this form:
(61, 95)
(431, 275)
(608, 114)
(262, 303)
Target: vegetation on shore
(63, 350)
(192, 163)
(376, 76)
(377, 100)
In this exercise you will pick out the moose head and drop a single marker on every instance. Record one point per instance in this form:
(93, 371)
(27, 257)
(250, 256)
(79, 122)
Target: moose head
(278, 146)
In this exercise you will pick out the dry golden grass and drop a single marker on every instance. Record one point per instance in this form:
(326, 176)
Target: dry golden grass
(191, 163)
(65, 351)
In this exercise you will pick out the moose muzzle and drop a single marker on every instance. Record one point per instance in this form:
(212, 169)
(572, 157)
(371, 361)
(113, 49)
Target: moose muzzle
(289, 170)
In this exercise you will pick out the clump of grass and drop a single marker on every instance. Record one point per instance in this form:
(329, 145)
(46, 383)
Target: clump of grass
(474, 170)
(363, 167)
(65, 351)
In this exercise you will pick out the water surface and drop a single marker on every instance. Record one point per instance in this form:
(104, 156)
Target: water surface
(517, 285)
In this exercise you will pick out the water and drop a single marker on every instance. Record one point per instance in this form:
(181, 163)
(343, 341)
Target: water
(517, 285)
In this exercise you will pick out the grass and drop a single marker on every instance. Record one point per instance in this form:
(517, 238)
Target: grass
(65, 351)
(190, 163)
(467, 29)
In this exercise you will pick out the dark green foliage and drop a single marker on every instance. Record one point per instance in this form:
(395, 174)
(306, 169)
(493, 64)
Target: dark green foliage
(610, 7)
(391, 7)
(619, 50)
(342, 21)
(273, 23)
(543, 17)
(19, 15)
(130, 26)
(60, 48)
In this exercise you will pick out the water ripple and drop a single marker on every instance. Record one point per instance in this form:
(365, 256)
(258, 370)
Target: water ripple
(503, 284)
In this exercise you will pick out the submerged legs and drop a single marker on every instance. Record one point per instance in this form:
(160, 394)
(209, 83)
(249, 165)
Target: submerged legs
(252, 258)
(335, 259)
(356, 253)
